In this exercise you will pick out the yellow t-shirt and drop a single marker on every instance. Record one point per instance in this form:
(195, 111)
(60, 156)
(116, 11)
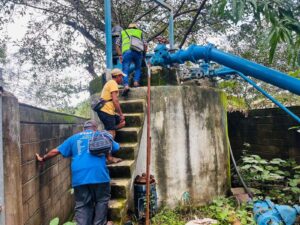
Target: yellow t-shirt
(108, 88)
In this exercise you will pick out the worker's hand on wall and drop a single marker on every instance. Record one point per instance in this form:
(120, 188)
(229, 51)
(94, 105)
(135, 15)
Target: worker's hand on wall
(120, 58)
(39, 158)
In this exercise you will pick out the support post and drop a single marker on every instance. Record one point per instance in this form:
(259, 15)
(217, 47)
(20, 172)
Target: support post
(171, 21)
(2, 214)
(108, 38)
(13, 208)
(171, 30)
(148, 159)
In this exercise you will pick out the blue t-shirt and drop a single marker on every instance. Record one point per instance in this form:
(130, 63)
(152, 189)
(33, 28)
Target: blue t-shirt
(86, 168)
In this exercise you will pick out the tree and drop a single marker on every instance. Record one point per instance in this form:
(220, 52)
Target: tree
(79, 25)
(2, 53)
(67, 33)
(280, 18)
(63, 33)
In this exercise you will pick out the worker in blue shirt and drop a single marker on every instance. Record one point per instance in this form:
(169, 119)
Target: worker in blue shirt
(90, 176)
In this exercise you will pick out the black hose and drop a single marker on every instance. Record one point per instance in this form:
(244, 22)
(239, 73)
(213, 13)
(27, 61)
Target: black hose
(146, 13)
(193, 23)
(238, 173)
(164, 28)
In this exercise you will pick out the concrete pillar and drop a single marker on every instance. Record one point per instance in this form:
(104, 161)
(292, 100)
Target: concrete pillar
(12, 161)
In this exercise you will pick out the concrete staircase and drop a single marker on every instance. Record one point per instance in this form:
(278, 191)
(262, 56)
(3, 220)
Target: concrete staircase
(121, 173)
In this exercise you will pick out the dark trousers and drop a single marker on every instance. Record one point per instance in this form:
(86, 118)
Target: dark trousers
(91, 204)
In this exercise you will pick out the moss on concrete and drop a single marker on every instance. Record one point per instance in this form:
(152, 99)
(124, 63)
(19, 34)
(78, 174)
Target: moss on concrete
(164, 77)
(224, 102)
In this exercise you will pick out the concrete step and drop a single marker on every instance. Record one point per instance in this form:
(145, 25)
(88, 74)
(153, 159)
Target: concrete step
(133, 106)
(119, 188)
(128, 134)
(134, 119)
(122, 169)
(127, 151)
(116, 209)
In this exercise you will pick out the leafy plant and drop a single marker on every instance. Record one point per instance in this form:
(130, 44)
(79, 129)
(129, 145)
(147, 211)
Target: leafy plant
(167, 216)
(277, 178)
(224, 210)
(55, 221)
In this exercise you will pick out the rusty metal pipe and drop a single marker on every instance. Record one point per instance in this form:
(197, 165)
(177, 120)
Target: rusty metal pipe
(148, 147)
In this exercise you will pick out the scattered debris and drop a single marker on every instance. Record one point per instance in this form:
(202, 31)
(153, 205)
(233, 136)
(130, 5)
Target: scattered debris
(205, 221)
(240, 194)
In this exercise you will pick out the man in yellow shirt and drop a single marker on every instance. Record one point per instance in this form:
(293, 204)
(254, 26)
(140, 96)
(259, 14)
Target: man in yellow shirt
(111, 114)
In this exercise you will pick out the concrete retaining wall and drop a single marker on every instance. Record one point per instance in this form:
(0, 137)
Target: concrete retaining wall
(34, 193)
(267, 133)
(189, 143)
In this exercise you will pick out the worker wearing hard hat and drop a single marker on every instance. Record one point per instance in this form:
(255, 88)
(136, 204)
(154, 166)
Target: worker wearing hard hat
(130, 48)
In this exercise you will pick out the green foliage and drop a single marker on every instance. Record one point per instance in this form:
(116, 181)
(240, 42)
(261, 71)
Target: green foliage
(83, 109)
(237, 95)
(55, 221)
(224, 210)
(281, 18)
(295, 73)
(277, 179)
(242, 96)
(167, 216)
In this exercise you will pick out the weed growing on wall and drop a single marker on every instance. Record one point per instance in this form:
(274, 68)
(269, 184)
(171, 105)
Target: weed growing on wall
(277, 179)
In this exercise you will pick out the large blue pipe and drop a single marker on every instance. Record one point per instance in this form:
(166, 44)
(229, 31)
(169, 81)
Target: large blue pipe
(210, 53)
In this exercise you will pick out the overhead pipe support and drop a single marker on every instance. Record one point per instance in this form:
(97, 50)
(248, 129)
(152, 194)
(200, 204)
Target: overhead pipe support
(171, 20)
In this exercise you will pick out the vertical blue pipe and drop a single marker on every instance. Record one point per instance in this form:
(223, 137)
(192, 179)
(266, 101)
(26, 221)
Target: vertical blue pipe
(171, 30)
(108, 35)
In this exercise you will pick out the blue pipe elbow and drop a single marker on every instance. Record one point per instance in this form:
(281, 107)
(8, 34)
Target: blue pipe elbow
(194, 53)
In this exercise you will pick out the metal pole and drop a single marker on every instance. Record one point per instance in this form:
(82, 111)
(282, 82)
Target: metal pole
(2, 214)
(171, 21)
(171, 29)
(108, 38)
(148, 149)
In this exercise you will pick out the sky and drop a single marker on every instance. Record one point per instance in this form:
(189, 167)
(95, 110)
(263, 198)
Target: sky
(16, 32)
